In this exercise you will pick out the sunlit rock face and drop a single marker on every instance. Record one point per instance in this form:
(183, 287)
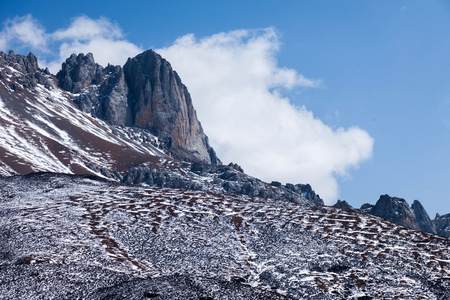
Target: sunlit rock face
(395, 210)
(423, 220)
(145, 93)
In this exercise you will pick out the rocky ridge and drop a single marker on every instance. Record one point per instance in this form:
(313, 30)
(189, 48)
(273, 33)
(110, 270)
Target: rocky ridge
(148, 242)
(45, 131)
(145, 93)
(216, 178)
(397, 210)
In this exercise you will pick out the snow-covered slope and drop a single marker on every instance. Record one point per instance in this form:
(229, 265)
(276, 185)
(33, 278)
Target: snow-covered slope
(99, 240)
(43, 130)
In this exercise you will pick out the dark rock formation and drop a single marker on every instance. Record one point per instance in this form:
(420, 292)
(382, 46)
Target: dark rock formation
(79, 72)
(442, 224)
(342, 204)
(145, 93)
(422, 218)
(217, 178)
(162, 104)
(29, 74)
(24, 64)
(366, 207)
(395, 210)
(99, 91)
(306, 191)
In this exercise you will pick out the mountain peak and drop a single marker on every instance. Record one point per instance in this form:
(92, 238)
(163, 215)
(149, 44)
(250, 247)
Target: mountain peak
(395, 210)
(25, 64)
(146, 93)
(423, 220)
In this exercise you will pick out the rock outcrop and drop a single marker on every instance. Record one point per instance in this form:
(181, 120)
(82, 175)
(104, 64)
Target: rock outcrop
(217, 178)
(146, 93)
(422, 218)
(442, 224)
(163, 105)
(342, 204)
(24, 71)
(395, 210)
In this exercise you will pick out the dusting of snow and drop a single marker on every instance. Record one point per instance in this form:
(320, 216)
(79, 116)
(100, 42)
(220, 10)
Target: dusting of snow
(296, 250)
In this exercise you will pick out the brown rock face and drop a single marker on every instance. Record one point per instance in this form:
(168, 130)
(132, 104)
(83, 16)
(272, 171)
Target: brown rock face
(395, 210)
(145, 93)
(161, 103)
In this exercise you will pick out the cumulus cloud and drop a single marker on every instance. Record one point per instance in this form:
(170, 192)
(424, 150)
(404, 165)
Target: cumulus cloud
(237, 88)
(85, 28)
(101, 37)
(23, 32)
(236, 85)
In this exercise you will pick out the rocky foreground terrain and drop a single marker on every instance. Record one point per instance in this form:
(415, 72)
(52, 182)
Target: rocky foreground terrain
(110, 190)
(96, 239)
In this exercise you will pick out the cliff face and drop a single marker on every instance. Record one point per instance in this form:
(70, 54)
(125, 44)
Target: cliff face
(145, 93)
(162, 104)
(395, 210)
(423, 220)
(41, 130)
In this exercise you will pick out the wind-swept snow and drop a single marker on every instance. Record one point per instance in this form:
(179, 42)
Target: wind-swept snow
(298, 251)
(45, 131)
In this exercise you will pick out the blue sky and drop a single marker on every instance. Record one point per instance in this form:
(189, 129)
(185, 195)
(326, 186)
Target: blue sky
(382, 66)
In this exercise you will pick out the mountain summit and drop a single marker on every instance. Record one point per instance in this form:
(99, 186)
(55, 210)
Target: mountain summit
(191, 228)
(134, 124)
(146, 93)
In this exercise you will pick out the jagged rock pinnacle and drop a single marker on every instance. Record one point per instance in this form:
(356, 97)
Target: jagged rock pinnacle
(145, 93)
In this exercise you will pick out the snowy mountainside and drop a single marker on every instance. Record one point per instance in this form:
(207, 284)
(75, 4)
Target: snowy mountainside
(148, 242)
(43, 130)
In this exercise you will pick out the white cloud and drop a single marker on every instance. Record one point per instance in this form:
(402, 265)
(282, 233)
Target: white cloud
(85, 28)
(236, 85)
(23, 32)
(101, 37)
(233, 79)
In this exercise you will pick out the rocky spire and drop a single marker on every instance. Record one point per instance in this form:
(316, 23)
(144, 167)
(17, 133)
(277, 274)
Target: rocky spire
(162, 104)
(343, 204)
(25, 64)
(79, 72)
(442, 224)
(28, 75)
(395, 210)
(145, 93)
(423, 220)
